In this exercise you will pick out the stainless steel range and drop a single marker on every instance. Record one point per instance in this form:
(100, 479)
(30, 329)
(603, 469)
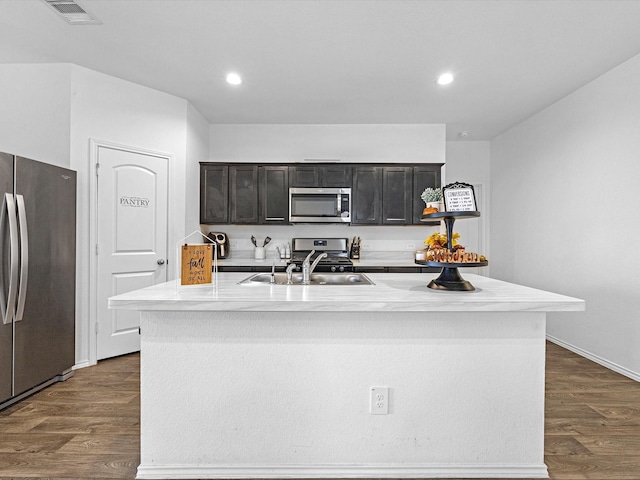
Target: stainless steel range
(337, 259)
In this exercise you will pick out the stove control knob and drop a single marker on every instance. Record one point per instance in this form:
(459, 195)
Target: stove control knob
(333, 268)
(342, 268)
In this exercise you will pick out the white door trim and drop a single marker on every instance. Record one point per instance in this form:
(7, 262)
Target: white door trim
(483, 224)
(94, 146)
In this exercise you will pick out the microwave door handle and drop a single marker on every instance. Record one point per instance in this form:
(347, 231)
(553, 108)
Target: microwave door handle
(8, 215)
(24, 256)
(339, 205)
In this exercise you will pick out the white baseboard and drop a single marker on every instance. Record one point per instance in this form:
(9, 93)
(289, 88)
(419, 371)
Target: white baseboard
(595, 358)
(83, 364)
(154, 472)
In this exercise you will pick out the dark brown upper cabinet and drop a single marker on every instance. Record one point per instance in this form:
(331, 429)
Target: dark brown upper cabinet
(424, 176)
(338, 176)
(367, 195)
(214, 194)
(397, 195)
(273, 194)
(382, 195)
(243, 194)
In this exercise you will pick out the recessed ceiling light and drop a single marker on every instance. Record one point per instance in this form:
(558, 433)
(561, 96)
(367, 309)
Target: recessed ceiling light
(234, 79)
(445, 79)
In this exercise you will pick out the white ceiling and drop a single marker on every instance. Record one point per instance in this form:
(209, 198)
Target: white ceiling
(341, 61)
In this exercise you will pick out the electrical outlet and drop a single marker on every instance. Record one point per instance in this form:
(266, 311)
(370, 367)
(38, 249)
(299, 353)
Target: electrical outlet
(234, 245)
(411, 246)
(379, 401)
(366, 246)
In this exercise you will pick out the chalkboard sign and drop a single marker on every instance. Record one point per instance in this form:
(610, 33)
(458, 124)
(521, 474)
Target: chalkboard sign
(196, 264)
(459, 197)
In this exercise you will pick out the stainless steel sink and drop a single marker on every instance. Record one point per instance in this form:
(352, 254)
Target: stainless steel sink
(315, 279)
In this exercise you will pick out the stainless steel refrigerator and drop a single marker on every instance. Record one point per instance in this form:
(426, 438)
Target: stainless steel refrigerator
(37, 275)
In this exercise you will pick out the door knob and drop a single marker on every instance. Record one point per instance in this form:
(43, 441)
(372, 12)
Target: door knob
(161, 261)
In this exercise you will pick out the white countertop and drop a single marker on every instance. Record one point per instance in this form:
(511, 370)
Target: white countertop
(392, 292)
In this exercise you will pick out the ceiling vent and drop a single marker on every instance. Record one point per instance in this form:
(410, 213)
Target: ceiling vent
(72, 12)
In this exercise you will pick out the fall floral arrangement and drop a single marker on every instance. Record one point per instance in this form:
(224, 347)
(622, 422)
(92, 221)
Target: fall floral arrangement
(439, 240)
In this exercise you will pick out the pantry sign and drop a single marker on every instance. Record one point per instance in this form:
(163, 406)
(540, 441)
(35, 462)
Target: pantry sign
(135, 202)
(197, 261)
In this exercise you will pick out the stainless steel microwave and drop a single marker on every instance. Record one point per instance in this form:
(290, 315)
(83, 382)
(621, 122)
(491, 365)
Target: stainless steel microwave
(320, 205)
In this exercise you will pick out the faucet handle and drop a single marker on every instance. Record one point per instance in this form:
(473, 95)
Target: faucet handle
(307, 260)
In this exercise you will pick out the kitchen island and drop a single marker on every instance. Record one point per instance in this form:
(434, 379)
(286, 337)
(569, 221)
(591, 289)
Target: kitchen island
(274, 381)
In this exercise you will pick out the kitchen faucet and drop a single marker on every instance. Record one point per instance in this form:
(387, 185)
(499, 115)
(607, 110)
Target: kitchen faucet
(308, 269)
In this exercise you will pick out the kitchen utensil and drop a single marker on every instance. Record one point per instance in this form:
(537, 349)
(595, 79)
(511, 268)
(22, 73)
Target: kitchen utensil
(266, 240)
(254, 241)
(355, 248)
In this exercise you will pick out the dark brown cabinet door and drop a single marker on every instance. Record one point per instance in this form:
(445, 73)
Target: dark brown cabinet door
(304, 176)
(367, 196)
(214, 196)
(274, 194)
(423, 177)
(397, 193)
(335, 176)
(330, 176)
(243, 193)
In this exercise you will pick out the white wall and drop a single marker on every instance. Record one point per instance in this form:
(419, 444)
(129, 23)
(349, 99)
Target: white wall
(197, 151)
(35, 111)
(108, 109)
(348, 143)
(564, 200)
(469, 162)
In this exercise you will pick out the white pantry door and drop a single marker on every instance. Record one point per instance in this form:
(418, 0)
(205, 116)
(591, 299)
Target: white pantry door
(132, 239)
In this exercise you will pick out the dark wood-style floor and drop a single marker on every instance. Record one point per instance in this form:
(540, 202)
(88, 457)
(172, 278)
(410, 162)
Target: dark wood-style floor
(88, 427)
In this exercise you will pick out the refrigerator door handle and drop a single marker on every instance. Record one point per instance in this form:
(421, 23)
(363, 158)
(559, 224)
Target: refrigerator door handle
(24, 256)
(8, 215)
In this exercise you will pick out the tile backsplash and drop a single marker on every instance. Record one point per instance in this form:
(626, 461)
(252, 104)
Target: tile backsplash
(374, 238)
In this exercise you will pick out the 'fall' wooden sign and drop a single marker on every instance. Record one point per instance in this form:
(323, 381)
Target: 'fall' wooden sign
(196, 264)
